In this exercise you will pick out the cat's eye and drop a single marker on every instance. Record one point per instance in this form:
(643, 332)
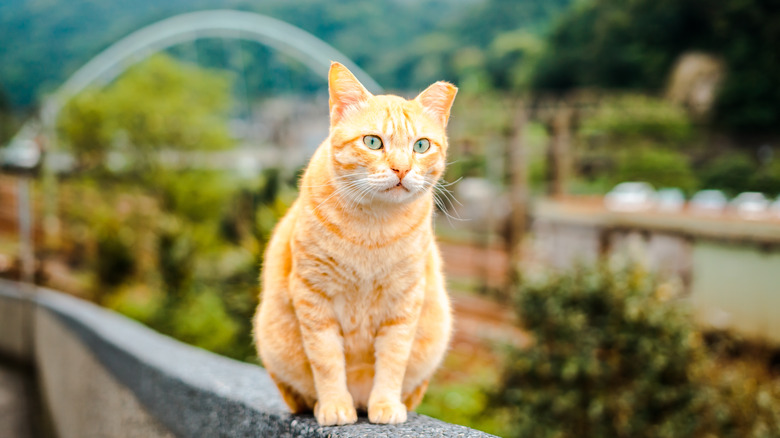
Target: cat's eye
(422, 145)
(372, 142)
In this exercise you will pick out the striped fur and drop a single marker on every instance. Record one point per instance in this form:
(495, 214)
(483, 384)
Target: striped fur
(354, 313)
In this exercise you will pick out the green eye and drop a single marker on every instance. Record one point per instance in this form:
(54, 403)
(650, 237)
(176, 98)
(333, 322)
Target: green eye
(421, 145)
(373, 142)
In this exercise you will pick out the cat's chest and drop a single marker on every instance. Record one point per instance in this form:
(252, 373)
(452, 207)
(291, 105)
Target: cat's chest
(375, 288)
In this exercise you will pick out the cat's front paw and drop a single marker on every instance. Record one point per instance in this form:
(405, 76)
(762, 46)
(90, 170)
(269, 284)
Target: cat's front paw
(335, 412)
(386, 412)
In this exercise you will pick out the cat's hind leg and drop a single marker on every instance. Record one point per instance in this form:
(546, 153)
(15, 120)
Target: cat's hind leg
(413, 399)
(294, 400)
(280, 347)
(430, 344)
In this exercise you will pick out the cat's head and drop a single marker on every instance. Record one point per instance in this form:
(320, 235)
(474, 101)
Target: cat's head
(385, 148)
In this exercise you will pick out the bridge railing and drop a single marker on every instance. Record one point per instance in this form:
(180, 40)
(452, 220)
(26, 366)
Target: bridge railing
(101, 374)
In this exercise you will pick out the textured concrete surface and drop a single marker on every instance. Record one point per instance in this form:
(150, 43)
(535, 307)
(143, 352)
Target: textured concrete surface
(17, 405)
(84, 398)
(98, 363)
(16, 312)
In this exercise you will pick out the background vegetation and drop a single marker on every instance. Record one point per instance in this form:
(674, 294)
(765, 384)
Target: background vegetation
(616, 355)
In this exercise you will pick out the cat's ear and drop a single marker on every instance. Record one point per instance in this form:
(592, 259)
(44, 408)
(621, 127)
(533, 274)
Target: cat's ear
(437, 100)
(346, 92)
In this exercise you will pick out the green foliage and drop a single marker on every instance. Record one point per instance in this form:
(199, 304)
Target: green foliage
(463, 403)
(7, 120)
(478, 44)
(138, 302)
(196, 195)
(202, 320)
(177, 248)
(731, 174)
(83, 126)
(160, 254)
(617, 44)
(611, 359)
(659, 167)
(615, 356)
(632, 117)
(184, 108)
(737, 172)
(175, 252)
(115, 261)
(637, 138)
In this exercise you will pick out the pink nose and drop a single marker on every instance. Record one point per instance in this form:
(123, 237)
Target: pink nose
(400, 172)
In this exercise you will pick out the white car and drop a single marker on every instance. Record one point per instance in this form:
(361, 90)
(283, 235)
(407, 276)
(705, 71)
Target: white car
(630, 196)
(670, 199)
(708, 202)
(751, 205)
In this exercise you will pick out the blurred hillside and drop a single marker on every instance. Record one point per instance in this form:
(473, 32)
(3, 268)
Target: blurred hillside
(401, 43)
(551, 46)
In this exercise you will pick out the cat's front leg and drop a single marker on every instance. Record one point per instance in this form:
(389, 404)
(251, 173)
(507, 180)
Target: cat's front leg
(324, 348)
(392, 346)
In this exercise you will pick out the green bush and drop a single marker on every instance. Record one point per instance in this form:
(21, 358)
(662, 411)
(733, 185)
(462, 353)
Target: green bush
(730, 173)
(615, 357)
(659, 167)
(202, 320)
(632, 117)
(610, 359)
(114, 262)
(736, 172)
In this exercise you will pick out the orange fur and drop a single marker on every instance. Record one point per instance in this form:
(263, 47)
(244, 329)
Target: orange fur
(354, 313)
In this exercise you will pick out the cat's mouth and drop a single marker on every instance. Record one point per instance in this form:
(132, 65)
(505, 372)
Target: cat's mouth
(397, 186)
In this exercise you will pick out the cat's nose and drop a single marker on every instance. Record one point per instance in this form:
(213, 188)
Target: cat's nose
(400, 172)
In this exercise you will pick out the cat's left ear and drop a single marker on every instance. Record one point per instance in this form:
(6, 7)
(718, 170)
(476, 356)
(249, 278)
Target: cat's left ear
(437, 100)
(346, 92)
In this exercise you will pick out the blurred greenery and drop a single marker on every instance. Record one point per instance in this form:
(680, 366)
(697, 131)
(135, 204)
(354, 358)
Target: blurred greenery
(495, 50)
(412, 43)
(737, 172)
(659, 167)
(615, 354)
(507, 45)
(178, 248)
(629, 118)
(638, 138)
(185, 108)
(616, 44)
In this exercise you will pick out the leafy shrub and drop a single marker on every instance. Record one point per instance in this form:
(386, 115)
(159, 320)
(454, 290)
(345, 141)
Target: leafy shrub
(736, 172)
(115, 261)
(659, 167)
(614, 357)
(611, 359)
(730, 173)
(634, 117)
(202, 320)
(184, 107)
(176, 256)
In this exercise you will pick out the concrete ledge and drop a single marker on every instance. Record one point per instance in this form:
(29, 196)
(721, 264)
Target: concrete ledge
(105, 375)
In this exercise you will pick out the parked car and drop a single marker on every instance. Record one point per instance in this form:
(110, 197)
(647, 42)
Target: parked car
(630, 196)
(670, 199)
(708, 202)
(751, 205)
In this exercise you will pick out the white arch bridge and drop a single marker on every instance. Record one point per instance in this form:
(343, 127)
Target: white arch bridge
(106, 66)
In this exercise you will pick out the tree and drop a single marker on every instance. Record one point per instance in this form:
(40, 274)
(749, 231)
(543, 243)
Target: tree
(160, 104)
(632, 45)
(611, 359)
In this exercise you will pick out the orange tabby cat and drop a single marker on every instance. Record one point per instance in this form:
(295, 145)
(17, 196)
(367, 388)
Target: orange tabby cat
(354, 314)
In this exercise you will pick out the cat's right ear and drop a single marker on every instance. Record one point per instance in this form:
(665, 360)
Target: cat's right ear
(346, 92)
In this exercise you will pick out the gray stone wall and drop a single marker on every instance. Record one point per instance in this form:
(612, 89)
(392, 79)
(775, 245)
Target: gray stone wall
(103, 375)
